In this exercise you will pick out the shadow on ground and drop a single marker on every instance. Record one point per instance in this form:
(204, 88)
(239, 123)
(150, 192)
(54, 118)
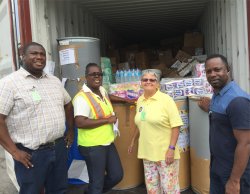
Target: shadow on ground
(81, 189)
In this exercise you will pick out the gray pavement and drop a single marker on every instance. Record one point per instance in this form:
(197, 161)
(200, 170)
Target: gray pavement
(6, 185)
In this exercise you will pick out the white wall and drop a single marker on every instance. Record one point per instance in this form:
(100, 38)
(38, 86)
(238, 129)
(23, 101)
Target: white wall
(224, 25)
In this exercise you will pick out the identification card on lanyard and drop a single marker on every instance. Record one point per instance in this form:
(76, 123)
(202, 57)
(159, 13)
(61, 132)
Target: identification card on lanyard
(36, 96)
(142, 113)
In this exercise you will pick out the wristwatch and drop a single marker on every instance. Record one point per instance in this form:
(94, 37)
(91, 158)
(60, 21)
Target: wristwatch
(171, 147)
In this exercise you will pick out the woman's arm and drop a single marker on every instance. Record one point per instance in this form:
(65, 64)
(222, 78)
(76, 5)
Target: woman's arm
(87, 123)
(134, 138)
(169, 157)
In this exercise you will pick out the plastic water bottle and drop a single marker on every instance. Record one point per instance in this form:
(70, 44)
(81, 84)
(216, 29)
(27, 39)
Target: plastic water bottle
(125, 76)
(121, 76)
(117, 77)
(129, 74)
(133, 78)
(138, 74)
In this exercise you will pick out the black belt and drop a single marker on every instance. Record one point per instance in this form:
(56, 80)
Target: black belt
(50, 144)
(42, 146)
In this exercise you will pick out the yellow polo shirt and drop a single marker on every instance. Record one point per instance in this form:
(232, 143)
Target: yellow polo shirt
(154, 118)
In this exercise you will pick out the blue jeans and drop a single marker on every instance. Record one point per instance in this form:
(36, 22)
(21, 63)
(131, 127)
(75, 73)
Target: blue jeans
(217, 184)
(49, 171)
(104, 167)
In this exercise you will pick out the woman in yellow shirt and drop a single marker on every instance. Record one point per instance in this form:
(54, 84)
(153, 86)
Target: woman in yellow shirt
(158, 121)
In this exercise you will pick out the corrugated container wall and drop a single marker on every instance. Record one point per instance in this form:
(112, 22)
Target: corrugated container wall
(65, 19)
(224, 25)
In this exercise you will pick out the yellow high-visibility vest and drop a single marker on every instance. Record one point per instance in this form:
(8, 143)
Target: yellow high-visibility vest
(102, 135)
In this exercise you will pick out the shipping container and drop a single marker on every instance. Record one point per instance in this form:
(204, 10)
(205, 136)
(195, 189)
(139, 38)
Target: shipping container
(224, 24)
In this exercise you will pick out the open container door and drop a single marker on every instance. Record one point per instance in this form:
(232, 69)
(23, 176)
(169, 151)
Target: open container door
(8, 60)
(7, 46)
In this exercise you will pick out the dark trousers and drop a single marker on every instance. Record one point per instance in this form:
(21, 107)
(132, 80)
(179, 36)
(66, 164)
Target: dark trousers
(104, 167)
(49, 171)
(217, 184)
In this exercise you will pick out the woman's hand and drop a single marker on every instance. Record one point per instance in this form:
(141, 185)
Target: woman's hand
(112, 119)
(130, 147)
(169, 157)
(133, 140)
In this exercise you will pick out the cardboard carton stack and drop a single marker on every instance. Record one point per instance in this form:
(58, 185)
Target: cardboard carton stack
(169, 51)
(193, 43)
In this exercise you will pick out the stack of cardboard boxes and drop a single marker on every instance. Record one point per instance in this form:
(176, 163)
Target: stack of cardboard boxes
(163, 57)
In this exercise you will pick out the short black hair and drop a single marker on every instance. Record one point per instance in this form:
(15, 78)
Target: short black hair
(223, 58)
(90, 65)
(26, 47)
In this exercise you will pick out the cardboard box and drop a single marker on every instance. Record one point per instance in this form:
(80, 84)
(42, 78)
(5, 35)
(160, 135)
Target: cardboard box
(113, 53)
(170, 73)
(189, 50)
(122, 66)
(158, 65)
(193, 39)
(141, 60)
(166, 57)
(182, 56)
(130, 56)
(114, 68)
(113, 61)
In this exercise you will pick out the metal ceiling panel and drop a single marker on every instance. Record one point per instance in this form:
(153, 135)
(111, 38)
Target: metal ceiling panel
(146, 19)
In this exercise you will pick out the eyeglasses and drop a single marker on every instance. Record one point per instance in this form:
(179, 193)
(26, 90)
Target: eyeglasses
(150, 80)
(95, 74)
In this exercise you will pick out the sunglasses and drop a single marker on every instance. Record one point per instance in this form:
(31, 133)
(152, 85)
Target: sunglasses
(95, 74)
(150, 80)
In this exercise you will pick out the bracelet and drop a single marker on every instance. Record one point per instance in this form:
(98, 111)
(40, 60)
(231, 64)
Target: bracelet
(171, 147)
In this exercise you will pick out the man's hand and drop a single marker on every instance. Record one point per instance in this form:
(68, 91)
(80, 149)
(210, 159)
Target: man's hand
(204, 103)
(69, 138)
(232, 187)
(23, 157)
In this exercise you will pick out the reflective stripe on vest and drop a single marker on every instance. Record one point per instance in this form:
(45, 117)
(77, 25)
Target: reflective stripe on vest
(95, 106)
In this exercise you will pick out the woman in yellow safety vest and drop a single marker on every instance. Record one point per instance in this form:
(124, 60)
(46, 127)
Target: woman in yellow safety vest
(94, 118)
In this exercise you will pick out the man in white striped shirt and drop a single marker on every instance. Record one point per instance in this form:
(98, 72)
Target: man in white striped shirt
(34, 107)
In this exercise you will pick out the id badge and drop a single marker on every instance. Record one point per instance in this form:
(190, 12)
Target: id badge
(36, 96)
(143, 115)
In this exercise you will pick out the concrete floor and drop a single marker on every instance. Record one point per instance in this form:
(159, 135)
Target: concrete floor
(7, 187)
(81, 189)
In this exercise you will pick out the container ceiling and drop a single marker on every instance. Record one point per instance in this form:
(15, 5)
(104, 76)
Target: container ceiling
(147, 19)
